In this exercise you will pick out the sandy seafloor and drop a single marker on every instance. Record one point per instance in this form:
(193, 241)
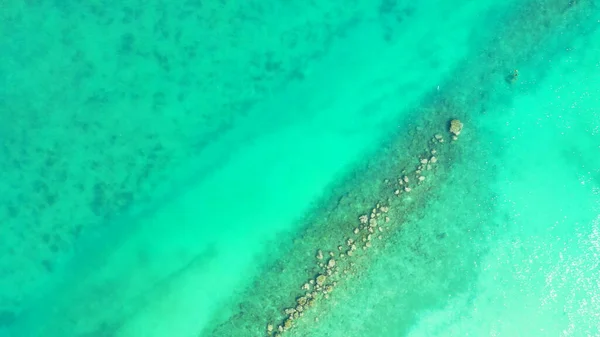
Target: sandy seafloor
(173, 168)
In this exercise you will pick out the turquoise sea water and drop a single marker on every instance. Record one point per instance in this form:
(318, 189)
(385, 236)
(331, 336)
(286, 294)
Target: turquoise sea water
(185, 168)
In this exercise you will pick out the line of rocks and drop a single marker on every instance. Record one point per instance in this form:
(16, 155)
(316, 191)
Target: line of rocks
(334, 266)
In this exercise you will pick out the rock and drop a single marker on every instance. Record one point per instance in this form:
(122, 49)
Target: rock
(301, 300)
(363, 219)
(455, 127)
(321, 279)
(512, 78)
(331, 263)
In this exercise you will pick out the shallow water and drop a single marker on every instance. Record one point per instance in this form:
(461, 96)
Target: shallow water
(174, 170)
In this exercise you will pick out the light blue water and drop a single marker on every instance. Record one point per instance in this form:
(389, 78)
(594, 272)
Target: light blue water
(172, 169)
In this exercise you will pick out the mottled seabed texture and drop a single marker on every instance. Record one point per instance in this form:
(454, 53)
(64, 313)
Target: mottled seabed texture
(290, 168)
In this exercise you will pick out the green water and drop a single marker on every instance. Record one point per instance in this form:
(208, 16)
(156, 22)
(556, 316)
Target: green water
(172, 169)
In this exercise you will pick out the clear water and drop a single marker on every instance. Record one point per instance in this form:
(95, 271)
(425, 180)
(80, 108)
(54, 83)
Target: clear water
(172, 169)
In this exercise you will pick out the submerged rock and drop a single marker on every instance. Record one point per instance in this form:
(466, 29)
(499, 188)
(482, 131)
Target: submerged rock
(455, 127)
(320, 254)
